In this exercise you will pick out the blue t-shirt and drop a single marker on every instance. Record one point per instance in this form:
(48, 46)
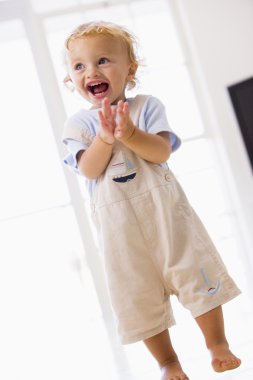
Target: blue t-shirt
(152, 120)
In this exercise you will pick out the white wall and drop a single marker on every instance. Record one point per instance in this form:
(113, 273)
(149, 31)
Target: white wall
(219, 36)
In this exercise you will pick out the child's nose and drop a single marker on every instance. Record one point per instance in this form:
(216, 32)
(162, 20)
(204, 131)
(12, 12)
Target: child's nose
(92, 71)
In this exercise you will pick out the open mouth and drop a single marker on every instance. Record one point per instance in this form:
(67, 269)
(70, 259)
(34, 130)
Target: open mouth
(98, 88)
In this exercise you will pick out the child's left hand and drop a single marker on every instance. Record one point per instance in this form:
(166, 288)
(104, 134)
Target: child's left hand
(125, 127)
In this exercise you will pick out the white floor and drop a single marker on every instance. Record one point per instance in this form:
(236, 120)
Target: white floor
(51, 326)
(135, 363)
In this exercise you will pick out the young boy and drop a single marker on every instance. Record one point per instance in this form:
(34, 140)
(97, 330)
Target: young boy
(153, 243)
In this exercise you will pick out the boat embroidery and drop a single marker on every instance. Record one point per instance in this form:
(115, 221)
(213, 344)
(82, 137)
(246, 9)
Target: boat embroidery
(121, 168)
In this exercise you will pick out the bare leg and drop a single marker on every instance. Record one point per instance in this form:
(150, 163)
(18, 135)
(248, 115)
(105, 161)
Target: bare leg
(212, 327)
(161, 348)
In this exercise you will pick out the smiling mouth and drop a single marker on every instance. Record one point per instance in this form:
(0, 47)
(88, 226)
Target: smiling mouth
(98, 88)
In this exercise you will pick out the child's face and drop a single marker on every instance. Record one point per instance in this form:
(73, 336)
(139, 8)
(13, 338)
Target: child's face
(99, 67)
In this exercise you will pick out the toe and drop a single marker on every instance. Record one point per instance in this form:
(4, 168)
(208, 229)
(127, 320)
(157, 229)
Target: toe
(225, 365)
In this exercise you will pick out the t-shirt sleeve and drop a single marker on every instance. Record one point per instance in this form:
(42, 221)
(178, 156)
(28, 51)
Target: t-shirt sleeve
(75, 138)
(73, 147)
(153, 116)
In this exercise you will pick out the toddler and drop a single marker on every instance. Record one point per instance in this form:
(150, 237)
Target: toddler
(153, 243)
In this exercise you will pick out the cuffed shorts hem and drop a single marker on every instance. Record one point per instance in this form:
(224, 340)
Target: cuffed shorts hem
(219, 301)
(147, 334)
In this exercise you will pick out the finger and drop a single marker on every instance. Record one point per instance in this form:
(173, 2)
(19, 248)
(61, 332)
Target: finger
(106, 108)
(113, 112)
(120, 114)
(102, 119)
(125, 109)
(120, 107)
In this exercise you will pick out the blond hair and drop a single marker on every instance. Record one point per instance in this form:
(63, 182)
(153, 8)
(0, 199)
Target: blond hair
(102, 28)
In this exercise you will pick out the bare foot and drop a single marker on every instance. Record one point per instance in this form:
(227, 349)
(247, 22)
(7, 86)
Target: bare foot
(173, 371)
(224, 359)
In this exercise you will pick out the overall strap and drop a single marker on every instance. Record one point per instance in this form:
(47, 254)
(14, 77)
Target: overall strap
(136, 107)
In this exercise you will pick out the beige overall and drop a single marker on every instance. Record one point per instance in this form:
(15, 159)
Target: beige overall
(154, 245)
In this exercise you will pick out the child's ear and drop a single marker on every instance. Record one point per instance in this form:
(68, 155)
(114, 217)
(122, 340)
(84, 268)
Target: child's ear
(132, 70)
(67, 79)
(68, 83)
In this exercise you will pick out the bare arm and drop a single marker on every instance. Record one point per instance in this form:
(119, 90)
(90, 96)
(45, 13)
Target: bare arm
(150, 147)
(93, 161)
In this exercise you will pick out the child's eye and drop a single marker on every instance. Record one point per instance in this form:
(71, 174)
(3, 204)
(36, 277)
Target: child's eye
(102, 61)
(79, 66)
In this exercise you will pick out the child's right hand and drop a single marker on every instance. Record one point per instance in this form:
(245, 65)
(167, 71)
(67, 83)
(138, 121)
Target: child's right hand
(107, 122)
